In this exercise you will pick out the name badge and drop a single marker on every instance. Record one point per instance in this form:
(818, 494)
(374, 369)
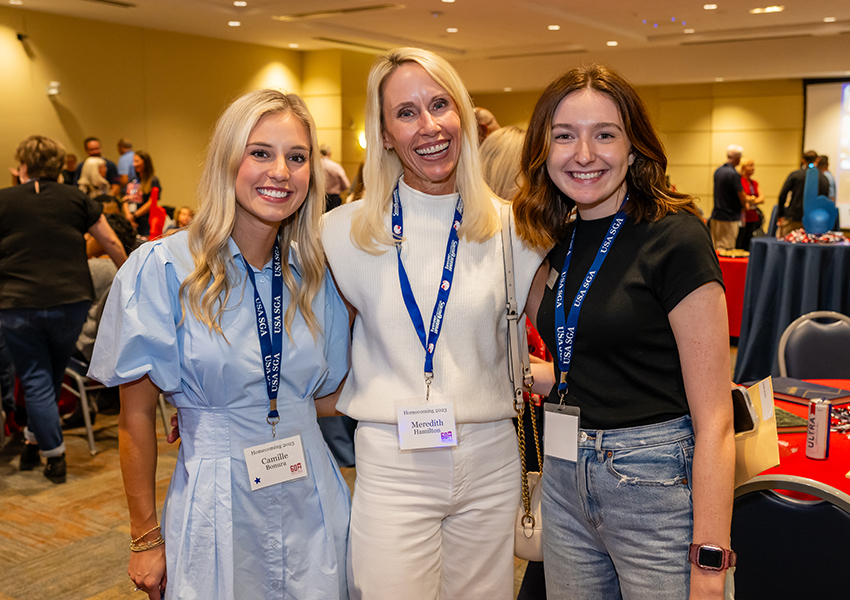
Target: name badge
(275, 462)
(560, 432)
(553, 278)
(429, 425)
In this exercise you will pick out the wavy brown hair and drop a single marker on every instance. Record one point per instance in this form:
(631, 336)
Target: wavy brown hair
(542, 211)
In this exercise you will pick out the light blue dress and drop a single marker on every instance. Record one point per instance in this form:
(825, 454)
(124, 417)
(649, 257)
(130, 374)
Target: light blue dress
(224, 541)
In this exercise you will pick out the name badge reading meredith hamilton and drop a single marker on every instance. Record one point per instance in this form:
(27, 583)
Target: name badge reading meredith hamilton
(429, 425)
(275, 462)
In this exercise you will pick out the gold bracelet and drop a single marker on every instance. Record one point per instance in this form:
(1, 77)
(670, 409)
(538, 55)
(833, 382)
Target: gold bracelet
(151, 530)
(135, 547)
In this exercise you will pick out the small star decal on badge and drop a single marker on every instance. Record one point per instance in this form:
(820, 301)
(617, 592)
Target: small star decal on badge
(257, 480)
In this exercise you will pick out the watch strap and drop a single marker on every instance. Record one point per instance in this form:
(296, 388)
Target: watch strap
(730, 559)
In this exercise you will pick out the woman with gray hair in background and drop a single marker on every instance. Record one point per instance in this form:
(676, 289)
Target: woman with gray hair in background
(45, 288)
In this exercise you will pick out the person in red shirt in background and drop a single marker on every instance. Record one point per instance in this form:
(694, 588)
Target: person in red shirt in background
(753, 217)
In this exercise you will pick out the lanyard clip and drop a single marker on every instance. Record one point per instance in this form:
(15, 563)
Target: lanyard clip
(562, 388)
(429, 377)
(273, 417)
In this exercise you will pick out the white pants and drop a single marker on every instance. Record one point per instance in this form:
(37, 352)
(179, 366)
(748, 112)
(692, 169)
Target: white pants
(434, 524)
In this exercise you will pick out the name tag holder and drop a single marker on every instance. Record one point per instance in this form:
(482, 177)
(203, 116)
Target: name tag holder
(278, 461)
(560, 431)
(426, 425)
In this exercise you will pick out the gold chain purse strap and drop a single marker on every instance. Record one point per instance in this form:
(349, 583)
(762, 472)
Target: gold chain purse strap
(519, 366)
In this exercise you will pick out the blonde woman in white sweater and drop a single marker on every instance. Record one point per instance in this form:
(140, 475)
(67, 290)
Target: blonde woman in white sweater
(437, 461)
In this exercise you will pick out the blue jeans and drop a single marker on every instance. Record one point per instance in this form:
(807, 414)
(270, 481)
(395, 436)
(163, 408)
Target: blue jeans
(41, 341)
(7, 379)
(617, 523)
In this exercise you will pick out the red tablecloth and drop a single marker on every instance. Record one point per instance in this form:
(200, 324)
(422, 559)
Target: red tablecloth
(792, 449)
(734, 276)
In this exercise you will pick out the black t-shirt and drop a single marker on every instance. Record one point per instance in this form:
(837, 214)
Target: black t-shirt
(796, 185)
(625, 369)
(727, 203)
(43, 259)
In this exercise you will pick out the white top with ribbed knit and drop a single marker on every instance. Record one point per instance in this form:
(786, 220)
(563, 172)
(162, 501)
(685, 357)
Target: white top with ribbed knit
(387, 362)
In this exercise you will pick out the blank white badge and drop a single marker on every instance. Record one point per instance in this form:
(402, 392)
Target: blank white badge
(560, 432)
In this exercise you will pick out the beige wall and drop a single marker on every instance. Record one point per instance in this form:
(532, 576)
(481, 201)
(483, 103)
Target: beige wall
(162, 90)
(165, 91)
(696, 123)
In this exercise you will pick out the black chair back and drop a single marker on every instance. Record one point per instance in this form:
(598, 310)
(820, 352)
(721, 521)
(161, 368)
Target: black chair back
(790, 548)
(811, 349)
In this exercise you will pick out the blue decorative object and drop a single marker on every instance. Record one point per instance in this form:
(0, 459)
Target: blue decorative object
(819, 213)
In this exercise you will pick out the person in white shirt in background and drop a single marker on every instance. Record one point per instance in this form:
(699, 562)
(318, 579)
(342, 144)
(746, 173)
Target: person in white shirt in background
(336, 181)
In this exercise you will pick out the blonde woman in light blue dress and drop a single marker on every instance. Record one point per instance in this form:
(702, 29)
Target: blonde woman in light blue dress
(190, 316)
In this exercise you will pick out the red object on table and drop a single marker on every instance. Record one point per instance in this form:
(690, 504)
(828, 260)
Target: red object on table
(734, 277)
(792, 450)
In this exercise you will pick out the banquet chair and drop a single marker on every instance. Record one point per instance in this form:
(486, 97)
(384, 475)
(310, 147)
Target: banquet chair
(809, 349)
(76, 372)
(789, 548)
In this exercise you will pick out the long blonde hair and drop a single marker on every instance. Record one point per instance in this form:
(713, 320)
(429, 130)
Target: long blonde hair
(207, 289)
(383, 168)
(500, 154)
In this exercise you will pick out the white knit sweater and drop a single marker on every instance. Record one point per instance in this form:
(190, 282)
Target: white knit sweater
(470, 361)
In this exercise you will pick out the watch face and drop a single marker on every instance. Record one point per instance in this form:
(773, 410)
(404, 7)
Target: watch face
(710, 558)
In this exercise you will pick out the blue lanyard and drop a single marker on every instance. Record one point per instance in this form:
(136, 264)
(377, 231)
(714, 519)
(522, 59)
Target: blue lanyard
(430, 343)
(565, 327)
(271, 340)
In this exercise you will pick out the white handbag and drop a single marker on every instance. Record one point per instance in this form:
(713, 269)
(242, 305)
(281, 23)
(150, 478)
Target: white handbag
(528, 537)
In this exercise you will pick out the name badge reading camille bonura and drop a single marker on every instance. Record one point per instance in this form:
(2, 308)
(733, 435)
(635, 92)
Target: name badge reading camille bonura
(428, 425)
(275, 462)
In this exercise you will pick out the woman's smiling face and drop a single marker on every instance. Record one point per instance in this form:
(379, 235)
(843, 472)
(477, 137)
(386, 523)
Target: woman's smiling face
(422, 125)
(590, 153)
(274, 176)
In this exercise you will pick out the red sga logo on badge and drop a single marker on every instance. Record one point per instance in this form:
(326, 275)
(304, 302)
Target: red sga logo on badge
(296, 468)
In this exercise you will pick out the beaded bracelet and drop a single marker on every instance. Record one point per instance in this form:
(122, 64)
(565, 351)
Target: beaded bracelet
(151, 530)
(135, 547)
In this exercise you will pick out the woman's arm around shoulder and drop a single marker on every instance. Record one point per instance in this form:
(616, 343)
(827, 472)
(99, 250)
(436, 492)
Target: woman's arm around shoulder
(700, 327)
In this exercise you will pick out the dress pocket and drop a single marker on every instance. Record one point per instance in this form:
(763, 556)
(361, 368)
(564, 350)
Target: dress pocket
(661, 465)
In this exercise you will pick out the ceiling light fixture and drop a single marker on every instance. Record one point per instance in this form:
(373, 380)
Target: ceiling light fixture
(709, 6)
(766, 9)
(612, 43)
(554, 27)
(234, 23)
(240, 3)
(689, 30)
(829, 19)
(449, 1)
(293, 45)
(16, 2)
(507, 89)
(718, 79)
(451, 30)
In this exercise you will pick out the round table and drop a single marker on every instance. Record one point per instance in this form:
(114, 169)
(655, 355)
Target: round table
(785, 281)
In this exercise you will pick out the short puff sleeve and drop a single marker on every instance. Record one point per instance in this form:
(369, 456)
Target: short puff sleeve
(138, 330)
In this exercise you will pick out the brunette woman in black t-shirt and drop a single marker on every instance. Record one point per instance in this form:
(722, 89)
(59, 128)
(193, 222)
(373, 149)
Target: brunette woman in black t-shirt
(636, 320)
